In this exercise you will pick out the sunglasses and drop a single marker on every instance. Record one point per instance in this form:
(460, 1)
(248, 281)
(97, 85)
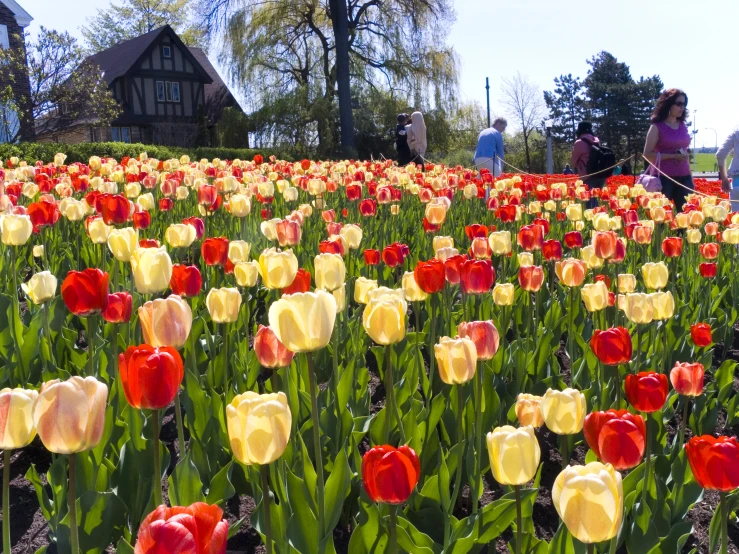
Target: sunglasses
(679, 104)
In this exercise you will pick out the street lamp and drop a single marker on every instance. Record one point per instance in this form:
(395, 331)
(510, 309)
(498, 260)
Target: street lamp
(548, 124)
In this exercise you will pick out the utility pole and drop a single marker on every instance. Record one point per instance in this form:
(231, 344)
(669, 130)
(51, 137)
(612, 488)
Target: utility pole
(487, 91)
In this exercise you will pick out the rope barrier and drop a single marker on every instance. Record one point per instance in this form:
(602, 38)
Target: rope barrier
(693, 191)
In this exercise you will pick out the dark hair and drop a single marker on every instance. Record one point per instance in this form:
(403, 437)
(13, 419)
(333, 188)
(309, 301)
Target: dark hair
(665, 101)
(402, 117)
(584, 128)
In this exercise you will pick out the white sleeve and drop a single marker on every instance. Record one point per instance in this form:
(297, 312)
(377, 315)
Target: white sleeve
(727, 147)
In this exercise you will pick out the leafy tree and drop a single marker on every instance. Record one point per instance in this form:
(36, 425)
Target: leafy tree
(325, 51)
(130, 18)
(64, 90)
(567, 107)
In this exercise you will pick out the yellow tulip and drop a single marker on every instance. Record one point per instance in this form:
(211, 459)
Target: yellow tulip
(122, 243)
(246, 273)
(330, 271)
(223, 304)
(166, 321)
(16, 229)
(655, 275)
(504, 294)
(693, 235)
(563, 411)
(500, 242)
(664, 305)
(601, 222)
(98, 231)
(152, 269)
(525, 259)
(180, 235)
(16, 418)
(239, 205)
(587, 254)
(146, 202)
(590, 501)
(638, 307)
(70, 415)
(384, 315)
(73, 210)
(269, 228)
(340, 297)
(353, 235)
(574, 212)
(38, 251)
(238, 251)
(41, 287)
(444, 254)
(595, 296)
(304, 321)
(527, 410)
(696, 219)
(731, 235)
(571, 271)
(362, 287)
(514, 454)
(626, 283)
(278, 269)
(413, 292)
(181, 193)
(456, 359)
(258, 427)
(442, 242)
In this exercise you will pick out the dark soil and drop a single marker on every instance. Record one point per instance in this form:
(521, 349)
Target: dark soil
(29, 528)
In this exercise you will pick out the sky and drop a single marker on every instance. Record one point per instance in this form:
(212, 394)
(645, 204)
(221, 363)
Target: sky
(690, 44)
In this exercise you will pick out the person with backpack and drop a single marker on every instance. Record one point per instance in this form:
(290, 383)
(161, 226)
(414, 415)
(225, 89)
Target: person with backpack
(591, 159)
(401, 140)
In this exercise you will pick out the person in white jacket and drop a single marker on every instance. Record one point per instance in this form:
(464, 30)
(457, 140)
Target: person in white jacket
(417, 136)
(730, 146)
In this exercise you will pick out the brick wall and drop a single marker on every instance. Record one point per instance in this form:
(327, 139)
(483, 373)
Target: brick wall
(22, 86)
(71, 135)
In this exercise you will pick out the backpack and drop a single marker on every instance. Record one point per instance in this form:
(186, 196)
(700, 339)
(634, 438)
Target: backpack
(601, 162)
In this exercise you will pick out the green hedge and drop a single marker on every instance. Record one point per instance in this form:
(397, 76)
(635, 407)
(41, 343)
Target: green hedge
(32, 151)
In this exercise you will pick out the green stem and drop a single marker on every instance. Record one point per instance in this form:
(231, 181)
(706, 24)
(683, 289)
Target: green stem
(478, 436)
(564, 451)
(180, 427)
(647, 462)
(157, 459)
(317, 445)
(72, 501)
(393, 546)
(225, 362)
(614, 544)
(519, 521)
(684, 422)
(47, 332)
(591, 548)
(7, 547)
(335, 391)
(638, 348)
(432, 341)
(16, 310)
(724, 523)
(570, 337)
(264, 470)
(91, 346)
(460, 441)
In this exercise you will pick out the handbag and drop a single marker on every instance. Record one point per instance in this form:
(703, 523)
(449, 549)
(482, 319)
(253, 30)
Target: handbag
(650, 178)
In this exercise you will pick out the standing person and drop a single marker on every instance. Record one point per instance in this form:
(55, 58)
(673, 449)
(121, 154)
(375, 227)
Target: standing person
(730, 146)
(490, 153)
(581, 154)
(417, 137)
(567, 170)
(401, 141)
(668, 136)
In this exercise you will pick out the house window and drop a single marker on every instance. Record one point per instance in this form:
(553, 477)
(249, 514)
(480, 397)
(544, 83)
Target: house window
(175, 92)
(95, 134)
(167, 51)
(125, 134)
(160, 91)
(115, 134)
(169, 90)
(4, 40)
(120, 134)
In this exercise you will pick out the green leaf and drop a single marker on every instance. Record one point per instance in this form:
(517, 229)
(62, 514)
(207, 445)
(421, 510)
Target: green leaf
(337, 488)
(185, 486)
(221, 488)
(102, 516)
(643, 534)
(564, 543)
(412, 540)
(368, 537)
(302, 529)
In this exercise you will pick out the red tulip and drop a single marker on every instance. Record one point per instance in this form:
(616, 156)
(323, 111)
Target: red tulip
(612, 346)
(687, 378)
(641, 234)
(392, 255)
(709, 250)
(476, 230)
(118, 308)
(150, 376)
(329, 216)
(531, 237)
(672, 247)
(331, 247)
(148, 243)
(708, 270)
(141, 220)
(430, 275)
(619, 254)
(476, 276)
(270, 351)
(617, 437)
(507, 213)
(390, 474)
(543, 223)
(453, 268)
(647, 390)
(301, 283)
(485, 336)
(480, 248)
(43, 214)
(368, 207)
(531, 277)
(207, 195)
(198, 223)
(215, 250)
(353, 192)
(85, 292)
(551, 251)
(195, 529)
(701, 334)
(371, 256)
(715, 462)
(186, 280)
(429, 227)
(114, 208)
(573, 239)
(604, 243)
(289, 232)
(258, 159)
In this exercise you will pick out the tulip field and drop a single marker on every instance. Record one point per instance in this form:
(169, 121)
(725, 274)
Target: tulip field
(354, 357)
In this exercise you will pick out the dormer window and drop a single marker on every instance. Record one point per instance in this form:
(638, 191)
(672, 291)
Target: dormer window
(167, 51)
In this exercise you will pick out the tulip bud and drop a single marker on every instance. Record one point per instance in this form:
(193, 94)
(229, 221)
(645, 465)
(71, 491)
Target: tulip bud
(278, 269)
(330, 271)
(456, 359)
(152, 269)
(687, 378)
(362, 287)
(527, 410)
(384, 315)
(180, 235)
(595, 296)
(223, 304)
(38, 251)
(41, 287)
(246, 273)
(270, 352)
(16, 418)
(166, 321)
(304, 321)
(563, 411)
(514, 454)
(70, 415)
(16, 229)
(258, 427)
(238, 251)
(504, 294)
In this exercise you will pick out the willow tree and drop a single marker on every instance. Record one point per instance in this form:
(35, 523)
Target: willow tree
(321, 52)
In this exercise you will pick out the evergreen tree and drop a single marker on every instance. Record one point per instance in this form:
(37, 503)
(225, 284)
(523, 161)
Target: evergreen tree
(567, 107)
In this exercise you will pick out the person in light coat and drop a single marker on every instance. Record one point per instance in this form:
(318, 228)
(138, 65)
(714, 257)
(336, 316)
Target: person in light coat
(417, 136)
(730, 146)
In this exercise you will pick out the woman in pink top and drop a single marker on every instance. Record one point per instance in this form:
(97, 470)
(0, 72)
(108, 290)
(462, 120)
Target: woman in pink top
(668, 136)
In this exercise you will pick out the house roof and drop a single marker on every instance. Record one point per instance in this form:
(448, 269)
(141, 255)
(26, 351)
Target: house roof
(117, 60)
(21, 16)
(217, 94)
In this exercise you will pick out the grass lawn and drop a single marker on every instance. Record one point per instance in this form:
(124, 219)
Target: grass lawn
(706, 163)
